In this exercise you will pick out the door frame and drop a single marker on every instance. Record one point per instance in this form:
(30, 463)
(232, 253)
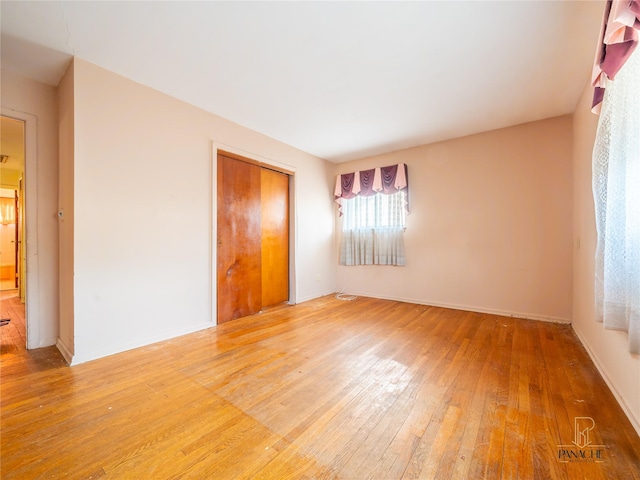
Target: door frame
(213, 219)
(30, 240)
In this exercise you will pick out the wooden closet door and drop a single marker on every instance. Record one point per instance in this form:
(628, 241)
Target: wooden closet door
(239, 248)
(275, 237)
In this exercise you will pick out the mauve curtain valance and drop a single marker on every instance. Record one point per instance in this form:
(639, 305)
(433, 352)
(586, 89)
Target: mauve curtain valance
(386, 180)
(618, 40)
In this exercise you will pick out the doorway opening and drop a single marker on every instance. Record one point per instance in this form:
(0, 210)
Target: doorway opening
(13, 227)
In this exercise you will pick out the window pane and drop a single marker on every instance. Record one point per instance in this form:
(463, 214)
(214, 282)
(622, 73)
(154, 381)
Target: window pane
(377, 211)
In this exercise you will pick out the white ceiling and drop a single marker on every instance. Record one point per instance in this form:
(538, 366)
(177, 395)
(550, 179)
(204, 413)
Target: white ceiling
(340, 80)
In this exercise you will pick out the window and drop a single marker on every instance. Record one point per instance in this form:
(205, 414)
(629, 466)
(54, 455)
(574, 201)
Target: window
(7, 211)
(378, 211)
(372, 230)
(374, 206)
(616, 190)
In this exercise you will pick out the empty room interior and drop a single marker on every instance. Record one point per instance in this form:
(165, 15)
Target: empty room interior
(352, 240)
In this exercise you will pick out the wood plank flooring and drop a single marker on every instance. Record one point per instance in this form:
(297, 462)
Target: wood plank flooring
(362, 389)
(14, 337)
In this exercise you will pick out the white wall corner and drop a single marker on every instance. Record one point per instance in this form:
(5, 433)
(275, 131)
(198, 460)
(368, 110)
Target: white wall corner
(65, 351)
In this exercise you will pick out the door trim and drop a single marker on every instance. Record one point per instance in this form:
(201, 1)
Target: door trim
(258, 163)
(240, 154)
(32, 310)
(265, 162)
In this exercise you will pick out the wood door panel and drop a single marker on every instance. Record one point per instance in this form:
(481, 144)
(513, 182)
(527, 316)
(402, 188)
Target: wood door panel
(275, 237)
(239, 259)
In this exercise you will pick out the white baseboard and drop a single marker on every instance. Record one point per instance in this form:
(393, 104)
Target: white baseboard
(309, 298)
(635, 422)
(112, 350)
(64, 350)
(470, 308)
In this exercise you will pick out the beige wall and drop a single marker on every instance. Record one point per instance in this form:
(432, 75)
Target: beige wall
(608, 349)
(66, 118)
(144, 213)
(25, 96)
(489, 227)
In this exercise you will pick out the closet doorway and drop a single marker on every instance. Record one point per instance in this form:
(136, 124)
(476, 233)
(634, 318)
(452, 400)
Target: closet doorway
(252, 237)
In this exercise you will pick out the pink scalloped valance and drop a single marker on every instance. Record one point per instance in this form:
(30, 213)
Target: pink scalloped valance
(385, 180)
(618, 40)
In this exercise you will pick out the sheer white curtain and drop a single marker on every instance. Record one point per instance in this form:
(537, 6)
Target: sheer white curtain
(616, 190)
(7, 211)
(372, 230)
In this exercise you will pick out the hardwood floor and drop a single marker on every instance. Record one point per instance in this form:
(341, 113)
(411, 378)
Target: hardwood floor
(326, 389)
(14, 337)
